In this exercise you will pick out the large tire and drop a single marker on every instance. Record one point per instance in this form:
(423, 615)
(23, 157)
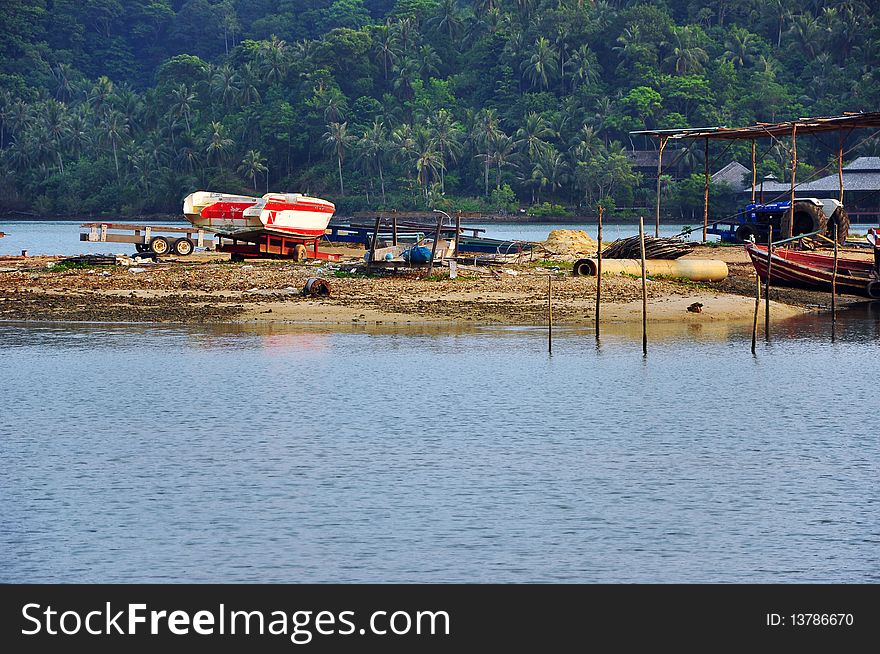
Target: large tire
(183, 247)
(159, 245)
(840, 218)
(808, 218)
(743, 233)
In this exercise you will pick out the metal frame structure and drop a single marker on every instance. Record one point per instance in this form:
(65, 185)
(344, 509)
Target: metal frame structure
(791, 128)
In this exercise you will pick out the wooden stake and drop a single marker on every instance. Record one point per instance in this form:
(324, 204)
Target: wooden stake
(599, 271)
(757, 305)
(706, 194)
(373, 242)
(767, 284)
(834, 282)
(434, 246)
(549, 314)
(644, 289)
(457, 230)
(840, 166)
(394, 229)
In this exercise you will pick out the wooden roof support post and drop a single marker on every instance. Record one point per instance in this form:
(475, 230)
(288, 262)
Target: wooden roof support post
(663, 140)
(789, 217)
(840, 167)
(754, 171)
(706, 193)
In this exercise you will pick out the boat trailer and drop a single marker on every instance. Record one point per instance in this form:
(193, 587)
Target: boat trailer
(275, 246)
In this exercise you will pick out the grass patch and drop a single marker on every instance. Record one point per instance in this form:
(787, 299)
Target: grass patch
(66, 266)
(550, 263)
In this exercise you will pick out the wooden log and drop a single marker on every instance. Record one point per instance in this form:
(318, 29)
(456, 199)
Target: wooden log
(434, 246)
(373, 242)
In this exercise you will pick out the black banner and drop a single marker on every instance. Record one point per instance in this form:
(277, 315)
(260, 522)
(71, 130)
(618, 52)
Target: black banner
(315, 618)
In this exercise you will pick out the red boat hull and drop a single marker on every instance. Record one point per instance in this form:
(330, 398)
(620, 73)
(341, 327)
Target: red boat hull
(813, 271)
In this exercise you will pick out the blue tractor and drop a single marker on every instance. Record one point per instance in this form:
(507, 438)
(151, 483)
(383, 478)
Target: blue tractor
(810, 215)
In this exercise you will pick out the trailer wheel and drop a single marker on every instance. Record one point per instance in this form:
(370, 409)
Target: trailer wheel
(299, 252)
(141, 247)
(159, 245)
(183, 246)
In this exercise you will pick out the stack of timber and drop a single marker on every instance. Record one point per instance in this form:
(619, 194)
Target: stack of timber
(655, 248)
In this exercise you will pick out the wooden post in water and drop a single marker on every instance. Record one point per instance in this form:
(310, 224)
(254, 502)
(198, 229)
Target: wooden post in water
(434, 246)
(599, 271)
(549, 314)
(767, 284)
(644, 289)
(373, 242)
(757, 306)
(834, 283)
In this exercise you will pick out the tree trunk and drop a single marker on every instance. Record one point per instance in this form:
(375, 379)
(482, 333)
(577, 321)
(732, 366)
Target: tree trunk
(116, 160)
(341, 187)
(487, 174)
(381, 179)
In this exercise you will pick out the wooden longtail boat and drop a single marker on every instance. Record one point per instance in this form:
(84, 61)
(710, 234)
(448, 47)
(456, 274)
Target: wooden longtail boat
(814, 271)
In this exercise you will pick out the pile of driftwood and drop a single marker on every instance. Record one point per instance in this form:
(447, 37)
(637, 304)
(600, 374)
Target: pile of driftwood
(655, 248)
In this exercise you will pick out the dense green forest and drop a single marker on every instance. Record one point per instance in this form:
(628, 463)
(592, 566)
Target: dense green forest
(125, 106)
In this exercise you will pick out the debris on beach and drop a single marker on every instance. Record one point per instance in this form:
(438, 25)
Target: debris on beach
(655, 248)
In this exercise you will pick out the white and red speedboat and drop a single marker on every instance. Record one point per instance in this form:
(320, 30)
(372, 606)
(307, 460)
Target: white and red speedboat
(247, 218)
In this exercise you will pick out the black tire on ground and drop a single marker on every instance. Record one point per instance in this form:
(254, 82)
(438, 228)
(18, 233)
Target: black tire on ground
(840, 218)
(873, 290)
(141, 247)
(743, 233)
(808, 218)
(159, 245)
(183, 247)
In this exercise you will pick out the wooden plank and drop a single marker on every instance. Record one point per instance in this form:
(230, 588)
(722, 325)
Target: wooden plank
(132, 226)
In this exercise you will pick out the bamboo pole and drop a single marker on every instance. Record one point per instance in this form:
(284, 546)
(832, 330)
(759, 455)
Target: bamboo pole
(457, 230)
(834, 283)
(549, 314)
(663, 140)
(757, 306)
(706, 193)
(767, 284)
(599, 271)
(434, 246)
(644, 289)
(788, 230)
(754, 172)
(394, 228)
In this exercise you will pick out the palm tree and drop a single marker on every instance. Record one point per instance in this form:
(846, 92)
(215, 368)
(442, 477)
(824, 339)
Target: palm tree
(78, 138)
(407, 72)
(385, 43)
(448, 18)
(741, 46)
(584, 65)
(226, 84)
(804, 31)
(485, 129)
(685, 56)
(550, 171)
(531, 137)
(218, 145)
(541, 66)
(447, 136)
(428, 165)
(182, 102)
(337, 138)
(503, 154)
(101, 95)
(63, 74)
(275, 61)
(115, 128)
(373, 145)
(56, 124)
(252, 163)
(428, 61)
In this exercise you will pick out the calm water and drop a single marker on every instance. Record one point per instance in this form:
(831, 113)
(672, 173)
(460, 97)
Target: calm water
(62, 237)
(164, 453)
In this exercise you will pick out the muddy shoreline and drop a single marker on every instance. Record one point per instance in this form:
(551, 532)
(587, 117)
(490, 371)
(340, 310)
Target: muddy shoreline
(207, 288)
